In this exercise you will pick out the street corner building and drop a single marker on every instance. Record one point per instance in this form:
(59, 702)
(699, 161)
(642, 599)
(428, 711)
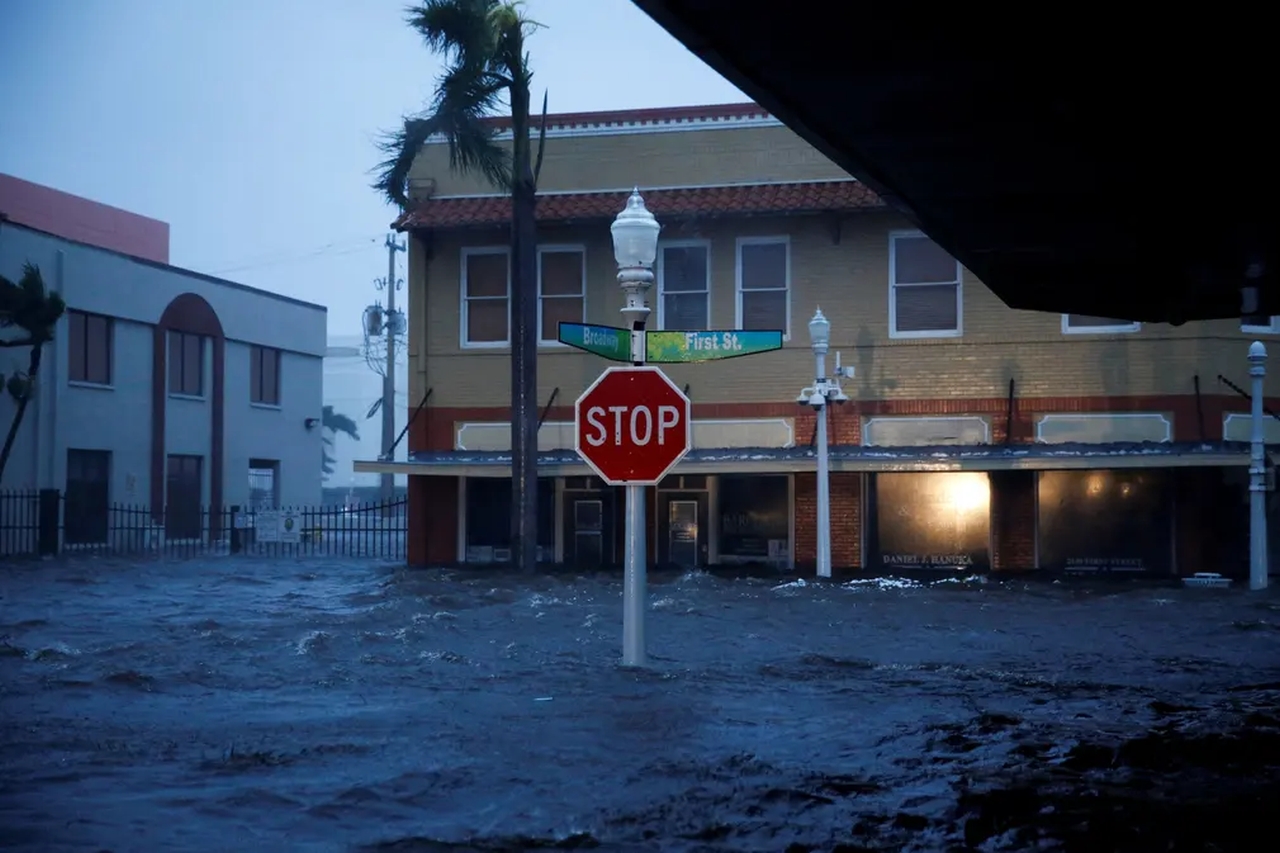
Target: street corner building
(976, 437)
(166, 395)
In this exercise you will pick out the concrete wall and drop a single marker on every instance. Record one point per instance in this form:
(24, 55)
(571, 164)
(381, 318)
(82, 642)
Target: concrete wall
(118, 417)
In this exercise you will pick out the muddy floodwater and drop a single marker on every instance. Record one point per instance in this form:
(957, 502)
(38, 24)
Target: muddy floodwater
(232, 705)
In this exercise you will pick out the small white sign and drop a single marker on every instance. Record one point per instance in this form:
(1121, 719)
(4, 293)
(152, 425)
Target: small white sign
(267, 523)
(290, 527)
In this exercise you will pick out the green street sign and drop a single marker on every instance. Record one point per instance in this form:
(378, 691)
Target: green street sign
(677, 347)
(605, 341)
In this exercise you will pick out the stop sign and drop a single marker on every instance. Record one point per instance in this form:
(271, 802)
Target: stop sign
(632, 425)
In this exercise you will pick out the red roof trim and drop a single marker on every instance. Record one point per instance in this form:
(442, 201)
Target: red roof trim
(740, 200)
(658, 115)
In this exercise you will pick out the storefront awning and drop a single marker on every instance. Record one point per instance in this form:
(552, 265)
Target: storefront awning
(793, 460)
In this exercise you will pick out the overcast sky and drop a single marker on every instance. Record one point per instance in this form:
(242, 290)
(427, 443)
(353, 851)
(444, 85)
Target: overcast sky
(249, 125)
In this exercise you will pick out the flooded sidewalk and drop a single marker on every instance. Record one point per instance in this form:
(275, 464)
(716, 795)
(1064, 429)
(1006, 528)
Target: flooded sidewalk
(229, 705)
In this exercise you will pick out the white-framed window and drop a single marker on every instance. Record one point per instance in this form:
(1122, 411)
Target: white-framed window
(1272, 328)
(684, 285)
(562, 289)
(1085, 324)
(763, 281)
(926, 296)
(486, 294)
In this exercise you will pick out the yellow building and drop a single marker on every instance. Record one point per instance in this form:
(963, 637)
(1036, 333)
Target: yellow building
(976, 435)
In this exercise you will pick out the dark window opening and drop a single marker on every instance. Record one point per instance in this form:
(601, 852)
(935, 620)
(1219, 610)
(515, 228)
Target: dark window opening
(755, 518)
(183, 493)
(489, 519)
(86, 510)
(186, 364)
(89, 339)
(264, 375)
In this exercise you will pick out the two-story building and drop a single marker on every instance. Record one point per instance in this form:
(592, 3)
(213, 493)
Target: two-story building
(976, 436)
(163, 388)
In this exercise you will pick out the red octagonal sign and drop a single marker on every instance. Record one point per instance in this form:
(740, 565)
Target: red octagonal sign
(632, 426)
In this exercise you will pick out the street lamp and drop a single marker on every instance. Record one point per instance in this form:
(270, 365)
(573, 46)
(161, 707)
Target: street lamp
(823, 391)
(635, 247)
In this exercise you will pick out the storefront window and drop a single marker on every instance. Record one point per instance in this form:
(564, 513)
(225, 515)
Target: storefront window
(1106, 521)
(932, 520)
(489, 520)
(755, 519)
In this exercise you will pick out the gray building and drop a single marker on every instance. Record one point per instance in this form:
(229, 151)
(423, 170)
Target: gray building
(164, 388)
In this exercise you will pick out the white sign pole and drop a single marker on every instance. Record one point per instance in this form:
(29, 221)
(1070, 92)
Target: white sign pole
(635, 241)
(1258, 557)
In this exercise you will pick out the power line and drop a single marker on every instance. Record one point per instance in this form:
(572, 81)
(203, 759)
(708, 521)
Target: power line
(335, 248)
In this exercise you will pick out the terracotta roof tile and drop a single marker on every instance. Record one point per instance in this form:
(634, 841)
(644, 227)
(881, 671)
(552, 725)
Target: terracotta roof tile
(739, 200)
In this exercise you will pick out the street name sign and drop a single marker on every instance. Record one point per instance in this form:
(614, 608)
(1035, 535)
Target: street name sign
(632, 425)
(606, 341)
(680, 347)
(669, 347)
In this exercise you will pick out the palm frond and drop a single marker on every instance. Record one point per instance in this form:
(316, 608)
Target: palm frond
(401, 147)
(464, 99)
(460, 29)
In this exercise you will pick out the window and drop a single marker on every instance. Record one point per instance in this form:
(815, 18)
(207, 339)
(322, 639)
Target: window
(755, 518)
(183, 496)
(89, 339)
(562, 276)
(684, 274)
(764, 281)
(264, 484)
(488, 518)
(1270, 329)
(264, 375)
(925, 296)
(1084, 324)
(85, 512)
(486, 286)
(186, 364)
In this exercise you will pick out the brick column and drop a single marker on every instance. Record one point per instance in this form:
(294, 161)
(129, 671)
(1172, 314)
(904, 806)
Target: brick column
(1013, 520)
(433, 521)
(846, 521)
(806, 514)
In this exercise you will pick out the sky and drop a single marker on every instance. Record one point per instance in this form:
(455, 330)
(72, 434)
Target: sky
(250, 125)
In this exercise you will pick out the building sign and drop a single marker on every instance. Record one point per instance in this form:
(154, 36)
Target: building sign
(936, 520)
(1106, 522)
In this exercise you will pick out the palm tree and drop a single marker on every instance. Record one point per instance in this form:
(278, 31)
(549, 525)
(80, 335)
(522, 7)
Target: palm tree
(26, 305)
(333, 423)
(483, 42)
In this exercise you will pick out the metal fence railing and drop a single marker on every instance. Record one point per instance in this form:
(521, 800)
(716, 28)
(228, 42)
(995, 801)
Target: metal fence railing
(45, 522)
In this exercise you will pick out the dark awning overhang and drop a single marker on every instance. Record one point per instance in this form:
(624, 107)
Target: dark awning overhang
(1110, 164)
(793, 460)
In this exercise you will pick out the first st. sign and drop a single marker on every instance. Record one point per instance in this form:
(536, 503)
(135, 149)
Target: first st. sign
(632, 426)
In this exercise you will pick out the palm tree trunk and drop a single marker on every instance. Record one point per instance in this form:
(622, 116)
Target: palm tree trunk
(33, 368)
(524, 342)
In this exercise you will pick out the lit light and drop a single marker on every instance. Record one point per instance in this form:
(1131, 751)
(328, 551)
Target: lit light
(1125, 488)
(968, 492)
(1094, 484)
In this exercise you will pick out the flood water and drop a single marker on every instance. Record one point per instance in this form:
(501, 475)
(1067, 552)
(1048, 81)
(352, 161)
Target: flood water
(232, 705)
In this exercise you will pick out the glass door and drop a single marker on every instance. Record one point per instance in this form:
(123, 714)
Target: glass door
(682, 532)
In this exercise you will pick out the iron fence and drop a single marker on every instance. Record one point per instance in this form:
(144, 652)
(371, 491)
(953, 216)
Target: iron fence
(45, 522)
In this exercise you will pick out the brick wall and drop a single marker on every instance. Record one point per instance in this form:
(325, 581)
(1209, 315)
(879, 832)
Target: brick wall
(846, 522)
(433, 521)
(1013, 520)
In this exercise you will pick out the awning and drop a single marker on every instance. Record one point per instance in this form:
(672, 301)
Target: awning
(795, 460)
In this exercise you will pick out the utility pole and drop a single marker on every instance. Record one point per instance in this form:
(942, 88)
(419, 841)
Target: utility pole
(389, 380)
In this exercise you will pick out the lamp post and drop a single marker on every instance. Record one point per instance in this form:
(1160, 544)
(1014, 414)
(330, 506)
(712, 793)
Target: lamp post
(635, 247)
(1257, 472)
(823, 391)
